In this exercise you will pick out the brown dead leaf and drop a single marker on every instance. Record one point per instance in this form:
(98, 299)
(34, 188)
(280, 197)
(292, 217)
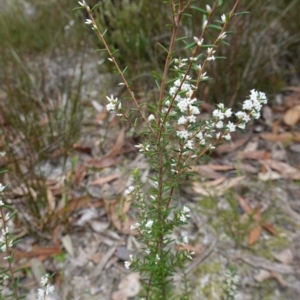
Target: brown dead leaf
(116, 149)
(220, 167)
(220, 189)
(101, 163)
(285, 137)
(106, 179)
(55, 236)
(243, 204)
(254, 155)
(285, 256)
(275, 127)
(51, 200)
(278, 278)
(292, 116)
(269, 228)
(252, 145)
(206, 171)
(36, 251)
(79, 174)
(254, 235)
(127, 205)
(226, 148)
(83, 149)
(71, 206)
(262, 275)
(283, 168)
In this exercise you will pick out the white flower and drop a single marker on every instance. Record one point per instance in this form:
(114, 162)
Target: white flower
(112, 103)
(217, 113)
(2, 187)
(228, 113)
(182, 218)
(231, 126)
(194, 110)
(82, 3)
(110, 107)
(1, 203)
(223, 18)
(211, 58)
(151, 118)
(182, 120)
(248, 104)
(227, 137)
(256, 114)
(199, 67)
(242, 126)
(210, 51)
(192, 119)
(218, 135)
(220, 124)
(183, 134)
(186, 209)
(44, 279)
(182, 105)
(129, 190)
(185, 240)
(189, 144)
(143, 148)
(222, 36)
(127, 264)
(208, 8)
(198, 42)
(203, 76)
(88, 21)
(149, 224)
(204, 24)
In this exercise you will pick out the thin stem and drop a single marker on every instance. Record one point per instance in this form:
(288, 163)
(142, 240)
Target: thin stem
(112, 58)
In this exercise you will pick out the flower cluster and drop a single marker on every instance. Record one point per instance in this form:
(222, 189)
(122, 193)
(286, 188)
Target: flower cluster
(219, 126)
(184, 214)
(46, 289)
(113, 103)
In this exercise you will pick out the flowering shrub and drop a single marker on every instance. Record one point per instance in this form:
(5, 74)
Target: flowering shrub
(7, 240)
(174, 139)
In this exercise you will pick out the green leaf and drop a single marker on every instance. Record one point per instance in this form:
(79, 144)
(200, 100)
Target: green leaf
(181, 38)
(242, 13)
(189, 46)
(214, 27)
(100, 3)
(199, 9)
(223, 42)
(163, 47)
(78, 8)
